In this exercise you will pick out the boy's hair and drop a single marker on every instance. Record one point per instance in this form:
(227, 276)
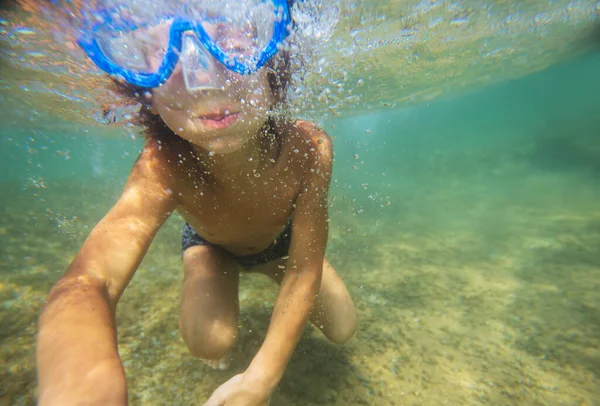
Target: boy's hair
(278, 76)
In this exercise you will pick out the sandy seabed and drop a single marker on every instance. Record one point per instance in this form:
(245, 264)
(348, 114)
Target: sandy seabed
(474, 290)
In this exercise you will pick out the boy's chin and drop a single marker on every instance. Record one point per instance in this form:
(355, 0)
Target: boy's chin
(224, 144)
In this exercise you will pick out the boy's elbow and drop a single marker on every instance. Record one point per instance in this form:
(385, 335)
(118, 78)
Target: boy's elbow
(72, 288)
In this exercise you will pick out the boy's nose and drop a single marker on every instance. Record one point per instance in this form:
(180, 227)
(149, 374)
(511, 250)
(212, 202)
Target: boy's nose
(199, 69)
(198, 80)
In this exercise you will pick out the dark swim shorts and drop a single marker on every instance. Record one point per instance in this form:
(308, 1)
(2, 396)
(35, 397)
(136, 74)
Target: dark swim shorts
(278, 249)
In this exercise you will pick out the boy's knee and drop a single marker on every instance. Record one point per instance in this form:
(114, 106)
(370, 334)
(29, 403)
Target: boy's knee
(211, 342)
(340, 326)
(342, 332)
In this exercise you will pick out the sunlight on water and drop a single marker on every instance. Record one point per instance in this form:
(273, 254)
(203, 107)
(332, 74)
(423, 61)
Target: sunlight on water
(359, 54)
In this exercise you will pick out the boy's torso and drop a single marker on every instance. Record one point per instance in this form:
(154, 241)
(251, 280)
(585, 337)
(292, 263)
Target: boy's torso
(246, 218)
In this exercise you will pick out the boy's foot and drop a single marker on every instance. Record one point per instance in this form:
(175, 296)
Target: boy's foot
(221, 364)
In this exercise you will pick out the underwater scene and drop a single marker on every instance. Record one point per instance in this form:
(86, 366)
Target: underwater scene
(464, 208)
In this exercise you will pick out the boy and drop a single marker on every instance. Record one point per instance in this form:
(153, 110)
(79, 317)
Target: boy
(252, 189)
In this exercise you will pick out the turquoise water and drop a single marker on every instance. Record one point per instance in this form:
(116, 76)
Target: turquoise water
(467, 229)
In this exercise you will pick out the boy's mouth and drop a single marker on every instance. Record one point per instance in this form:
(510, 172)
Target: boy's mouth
(219, 120)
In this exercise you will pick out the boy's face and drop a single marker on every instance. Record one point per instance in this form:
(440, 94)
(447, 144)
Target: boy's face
(219, 121)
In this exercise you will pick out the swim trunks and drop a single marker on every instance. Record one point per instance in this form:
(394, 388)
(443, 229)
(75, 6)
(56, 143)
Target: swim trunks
(278, 249)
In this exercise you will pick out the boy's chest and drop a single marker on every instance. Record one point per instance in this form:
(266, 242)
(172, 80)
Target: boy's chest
(255, 210)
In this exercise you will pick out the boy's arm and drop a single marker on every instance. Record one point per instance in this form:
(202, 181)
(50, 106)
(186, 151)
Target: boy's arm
(302, 277)
(77, 356)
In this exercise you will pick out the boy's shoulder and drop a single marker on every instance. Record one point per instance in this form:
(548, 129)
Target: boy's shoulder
(311, 156)
(160, 160)
(172, 152)
(309, 141)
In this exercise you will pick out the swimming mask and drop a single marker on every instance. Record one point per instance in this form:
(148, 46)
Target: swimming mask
(142, 41)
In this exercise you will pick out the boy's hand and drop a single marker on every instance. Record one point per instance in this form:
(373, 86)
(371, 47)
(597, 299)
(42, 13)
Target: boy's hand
(238, 391)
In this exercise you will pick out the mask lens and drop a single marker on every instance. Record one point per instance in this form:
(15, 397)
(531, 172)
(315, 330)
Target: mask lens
(141, 50)
(241, 32)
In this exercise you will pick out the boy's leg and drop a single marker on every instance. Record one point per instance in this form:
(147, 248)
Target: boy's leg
(333, 312)
(209, 305)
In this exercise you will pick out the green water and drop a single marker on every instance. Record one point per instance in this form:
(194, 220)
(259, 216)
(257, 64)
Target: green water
(466, 228)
